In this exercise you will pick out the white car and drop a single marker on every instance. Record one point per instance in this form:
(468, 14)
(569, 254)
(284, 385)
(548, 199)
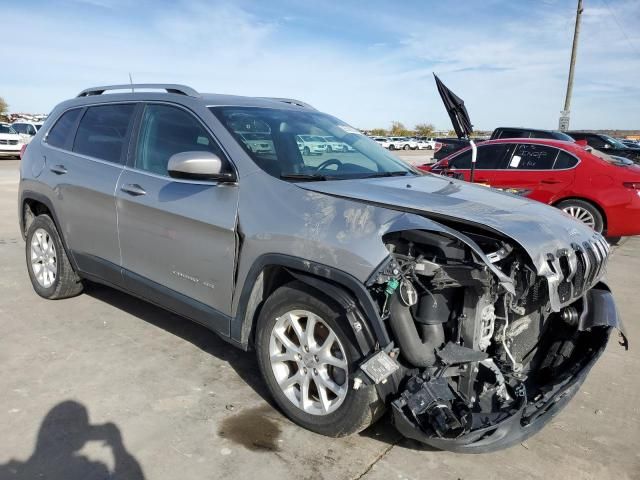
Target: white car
(10, 141)
(402, 143)
(382, 141)
(335, 145)
(311, 144)
(426, 144)
(26, 129)
(258, 142)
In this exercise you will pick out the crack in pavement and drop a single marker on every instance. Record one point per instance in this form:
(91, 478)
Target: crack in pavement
(377, 459)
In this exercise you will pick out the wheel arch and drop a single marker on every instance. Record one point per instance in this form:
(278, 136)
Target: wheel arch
(271, 271)
(33, 204)
(591, 202)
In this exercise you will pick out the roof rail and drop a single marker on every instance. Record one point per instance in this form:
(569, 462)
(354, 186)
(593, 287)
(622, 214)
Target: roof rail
(170, 88)
(290, 101)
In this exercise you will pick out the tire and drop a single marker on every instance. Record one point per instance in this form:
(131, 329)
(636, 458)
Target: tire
(329, 149)
(405, 147)
(306, 151)
(348, 413)
(392, 147)
(52, 276)
(583, 211)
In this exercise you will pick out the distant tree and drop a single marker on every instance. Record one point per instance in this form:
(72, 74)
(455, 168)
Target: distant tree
(378, 132)
(399, 130)
(452, 133)
(4, 108)
(424, 129)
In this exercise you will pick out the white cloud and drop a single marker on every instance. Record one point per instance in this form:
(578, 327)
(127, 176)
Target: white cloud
(508, 71)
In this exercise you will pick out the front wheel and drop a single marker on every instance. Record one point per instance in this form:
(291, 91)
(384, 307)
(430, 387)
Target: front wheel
(585, 212)
(308, 361)
(406, 147)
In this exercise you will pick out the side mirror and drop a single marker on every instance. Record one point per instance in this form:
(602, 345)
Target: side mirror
(582, 143)
(198, 166)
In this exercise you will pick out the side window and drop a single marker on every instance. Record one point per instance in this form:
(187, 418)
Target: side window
(491, 157)
(533, 157)
(168, 130)
(31, 130)
(512, 133)
(596, 142)
(541, 135)
(565, 161)
(462, 161)
(19, 127)
(60, 135)
(102, 131)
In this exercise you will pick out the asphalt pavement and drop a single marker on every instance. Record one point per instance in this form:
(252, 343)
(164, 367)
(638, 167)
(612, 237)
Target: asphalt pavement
(105, 384)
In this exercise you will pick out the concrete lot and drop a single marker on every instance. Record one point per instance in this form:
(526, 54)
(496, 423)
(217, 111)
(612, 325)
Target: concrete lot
(167, 399)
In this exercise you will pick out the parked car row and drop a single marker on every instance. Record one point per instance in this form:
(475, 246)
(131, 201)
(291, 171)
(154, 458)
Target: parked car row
(406, 143)
(317, 144)
(601, 190)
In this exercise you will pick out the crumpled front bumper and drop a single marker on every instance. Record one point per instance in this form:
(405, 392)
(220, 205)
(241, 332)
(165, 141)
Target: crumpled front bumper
(599, 312)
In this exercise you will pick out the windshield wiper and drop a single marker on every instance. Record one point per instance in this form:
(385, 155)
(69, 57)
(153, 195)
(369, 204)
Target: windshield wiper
(309, 177)
(400, 173)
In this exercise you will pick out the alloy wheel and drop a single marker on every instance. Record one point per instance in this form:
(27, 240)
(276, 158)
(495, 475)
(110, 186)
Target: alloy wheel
(309, 362)
(581, 214)
(43, 258)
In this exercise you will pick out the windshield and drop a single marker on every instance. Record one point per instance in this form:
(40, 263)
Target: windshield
(4, 128)
(619, 161)
(564, 136)
(614, 142)
(293, 160)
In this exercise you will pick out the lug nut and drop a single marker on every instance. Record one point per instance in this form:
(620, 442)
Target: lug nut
(315, 371)
(304, 370)
(315, 358)
(306, 348)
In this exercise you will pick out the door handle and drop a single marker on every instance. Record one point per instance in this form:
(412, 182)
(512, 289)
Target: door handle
(133, 189)
(59, 169)
(549, 181)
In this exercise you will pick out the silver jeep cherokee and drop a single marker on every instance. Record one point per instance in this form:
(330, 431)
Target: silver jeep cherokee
(362, 284)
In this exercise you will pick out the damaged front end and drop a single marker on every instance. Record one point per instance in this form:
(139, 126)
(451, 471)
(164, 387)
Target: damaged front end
(491, 346)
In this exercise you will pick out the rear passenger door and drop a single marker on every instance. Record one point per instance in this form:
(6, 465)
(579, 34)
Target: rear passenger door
(177, 236)
(537, 171)
(87, 150)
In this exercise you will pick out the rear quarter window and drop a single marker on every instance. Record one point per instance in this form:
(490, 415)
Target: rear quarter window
(61, 133)
(564, 161)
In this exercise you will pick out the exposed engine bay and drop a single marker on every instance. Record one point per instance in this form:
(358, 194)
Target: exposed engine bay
(483, 349)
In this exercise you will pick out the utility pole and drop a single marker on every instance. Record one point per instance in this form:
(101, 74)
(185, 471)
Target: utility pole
(563, 124)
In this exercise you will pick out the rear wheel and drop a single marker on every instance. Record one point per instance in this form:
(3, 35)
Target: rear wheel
(308, 361)
(406, 147)
(392, 147)
(50, 271)
(585, 212)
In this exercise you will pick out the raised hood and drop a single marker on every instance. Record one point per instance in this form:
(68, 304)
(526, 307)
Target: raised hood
(538, 228)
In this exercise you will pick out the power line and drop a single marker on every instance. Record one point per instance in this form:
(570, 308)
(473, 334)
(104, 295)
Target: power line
(615, 18)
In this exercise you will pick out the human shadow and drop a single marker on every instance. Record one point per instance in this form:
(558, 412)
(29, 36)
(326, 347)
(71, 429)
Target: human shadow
(243, 363)
(63, 433)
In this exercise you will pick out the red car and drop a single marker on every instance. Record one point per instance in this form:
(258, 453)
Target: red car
(600, 190)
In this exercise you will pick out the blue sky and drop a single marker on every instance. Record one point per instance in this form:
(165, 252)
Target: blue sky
(367, 62)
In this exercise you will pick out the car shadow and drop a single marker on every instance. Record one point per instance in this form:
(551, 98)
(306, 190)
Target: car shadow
(243, 363)
(63, 433)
